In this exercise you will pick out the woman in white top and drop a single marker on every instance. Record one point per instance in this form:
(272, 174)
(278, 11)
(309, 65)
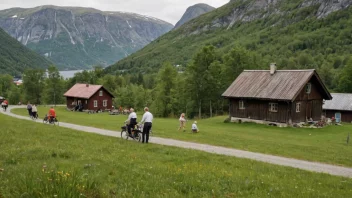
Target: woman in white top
(34, 111)
(182, 122)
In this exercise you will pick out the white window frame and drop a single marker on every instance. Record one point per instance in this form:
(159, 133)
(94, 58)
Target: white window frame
(95, 103)
(101, 93)
(273, 107)
(105, 103)
(309, 88)
(298, 107)
(241, 104)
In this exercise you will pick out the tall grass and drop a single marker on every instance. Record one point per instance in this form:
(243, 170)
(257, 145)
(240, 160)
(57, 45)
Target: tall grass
(326, 145)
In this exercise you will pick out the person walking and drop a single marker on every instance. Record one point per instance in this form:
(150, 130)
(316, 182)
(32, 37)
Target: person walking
(147, 120)
(34, 111)
(29, 109)
(182, 122)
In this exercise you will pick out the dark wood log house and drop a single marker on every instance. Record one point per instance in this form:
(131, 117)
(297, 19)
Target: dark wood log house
(340, 107)
(281, 96)
(91, 97)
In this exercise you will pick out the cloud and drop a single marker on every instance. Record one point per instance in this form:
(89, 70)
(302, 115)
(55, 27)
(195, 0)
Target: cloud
(167, 10)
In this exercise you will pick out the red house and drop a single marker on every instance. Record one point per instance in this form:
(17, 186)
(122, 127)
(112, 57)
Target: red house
(91, 97)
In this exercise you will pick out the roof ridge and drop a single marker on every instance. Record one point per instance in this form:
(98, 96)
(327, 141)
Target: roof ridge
(299, 70)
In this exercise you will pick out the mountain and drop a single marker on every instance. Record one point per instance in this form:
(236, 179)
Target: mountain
(194, 12)
(15, 58)
(74, 37)
(292, 33)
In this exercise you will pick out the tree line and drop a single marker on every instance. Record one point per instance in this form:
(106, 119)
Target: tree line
(196, 90)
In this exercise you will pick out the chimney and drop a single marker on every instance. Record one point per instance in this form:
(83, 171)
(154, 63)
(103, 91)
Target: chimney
(272, 68)
(87, 85)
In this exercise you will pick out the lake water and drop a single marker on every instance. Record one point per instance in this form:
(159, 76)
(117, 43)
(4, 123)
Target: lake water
(69, 74)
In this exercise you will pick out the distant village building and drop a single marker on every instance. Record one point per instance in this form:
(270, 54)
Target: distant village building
(340, 107)
(91, 97)
(280, 96)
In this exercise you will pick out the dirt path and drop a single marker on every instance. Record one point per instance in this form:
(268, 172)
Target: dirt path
(300, 164)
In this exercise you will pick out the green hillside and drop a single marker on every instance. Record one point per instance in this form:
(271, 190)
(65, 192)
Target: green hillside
(294, 34)
(15, 58)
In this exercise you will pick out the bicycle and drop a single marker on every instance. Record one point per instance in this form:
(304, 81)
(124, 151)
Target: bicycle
(51, 121)
(136, 133)
(4, 107)
(34, 117)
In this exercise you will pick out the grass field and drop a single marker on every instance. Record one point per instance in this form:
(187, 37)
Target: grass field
(43, 161)
(326, 145)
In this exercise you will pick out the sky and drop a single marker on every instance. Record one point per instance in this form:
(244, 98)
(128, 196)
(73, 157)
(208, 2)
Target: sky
(167, 10)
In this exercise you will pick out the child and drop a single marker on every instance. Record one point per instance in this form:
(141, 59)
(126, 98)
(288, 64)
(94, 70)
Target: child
(194, 127)
(182, 122)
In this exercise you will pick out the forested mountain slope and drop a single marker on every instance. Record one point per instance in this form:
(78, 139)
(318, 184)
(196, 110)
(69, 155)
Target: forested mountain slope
(74, 37)
(292, 33)
(15, 58)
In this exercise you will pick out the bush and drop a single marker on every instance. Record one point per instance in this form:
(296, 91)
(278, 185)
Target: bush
(227, 120)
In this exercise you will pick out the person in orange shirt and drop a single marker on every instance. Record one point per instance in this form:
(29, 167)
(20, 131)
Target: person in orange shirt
(5, 104)
(52, 114)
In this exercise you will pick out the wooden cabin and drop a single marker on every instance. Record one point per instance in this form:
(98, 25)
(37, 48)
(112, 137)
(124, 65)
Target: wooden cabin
(90, 97)
(280, 96)
(340, 107)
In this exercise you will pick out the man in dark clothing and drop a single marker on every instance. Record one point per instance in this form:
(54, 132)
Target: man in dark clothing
(29, 108)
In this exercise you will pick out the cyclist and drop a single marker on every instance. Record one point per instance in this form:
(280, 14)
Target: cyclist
(5, 104)
(132, 121)
(51, 114)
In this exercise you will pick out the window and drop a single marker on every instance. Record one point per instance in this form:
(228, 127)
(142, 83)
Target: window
(241, 104)
(105, 103)
(273, 107)
(95, 103)
(308, 88)
(86, 101)
(100, 93)
(298, 107)
(79, 102)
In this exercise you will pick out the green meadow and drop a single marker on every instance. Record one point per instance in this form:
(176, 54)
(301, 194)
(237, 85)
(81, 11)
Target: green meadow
(327, 145)
(39, 160)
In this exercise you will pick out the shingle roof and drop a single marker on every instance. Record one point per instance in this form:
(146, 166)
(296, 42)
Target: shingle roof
(340, 101)
(260, 84)
(83, 91)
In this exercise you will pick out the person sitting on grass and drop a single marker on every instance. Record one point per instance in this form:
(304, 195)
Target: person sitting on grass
(194, 127)
(51, 114)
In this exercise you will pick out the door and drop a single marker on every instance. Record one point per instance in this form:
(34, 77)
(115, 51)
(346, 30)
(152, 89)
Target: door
(309, 110)
(338, 117)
